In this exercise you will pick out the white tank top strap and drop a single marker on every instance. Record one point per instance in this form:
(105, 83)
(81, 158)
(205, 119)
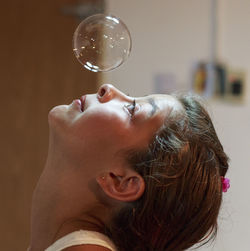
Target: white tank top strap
(82, 237)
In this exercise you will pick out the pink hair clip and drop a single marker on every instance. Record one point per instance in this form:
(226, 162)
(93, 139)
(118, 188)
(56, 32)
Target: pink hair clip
(225, 184)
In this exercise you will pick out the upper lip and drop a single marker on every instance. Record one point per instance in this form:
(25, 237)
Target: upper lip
(83, 98)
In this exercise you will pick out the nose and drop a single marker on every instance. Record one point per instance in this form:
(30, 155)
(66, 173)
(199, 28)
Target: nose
(107, 92)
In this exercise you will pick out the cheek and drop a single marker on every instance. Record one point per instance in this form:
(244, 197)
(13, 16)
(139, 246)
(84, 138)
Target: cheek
(103, 127)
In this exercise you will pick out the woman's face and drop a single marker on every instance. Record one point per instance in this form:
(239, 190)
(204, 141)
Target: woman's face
(86, 138)
(109, 121)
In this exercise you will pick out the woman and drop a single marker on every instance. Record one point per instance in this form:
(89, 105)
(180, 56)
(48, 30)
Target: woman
(132, 174)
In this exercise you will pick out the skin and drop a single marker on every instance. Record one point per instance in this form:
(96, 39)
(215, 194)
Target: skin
(85, 179)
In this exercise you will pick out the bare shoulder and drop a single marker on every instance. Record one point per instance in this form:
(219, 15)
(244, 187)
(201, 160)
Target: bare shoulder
(86, 247)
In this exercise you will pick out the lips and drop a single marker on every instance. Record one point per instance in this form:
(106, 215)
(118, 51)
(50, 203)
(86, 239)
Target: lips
(82, 99)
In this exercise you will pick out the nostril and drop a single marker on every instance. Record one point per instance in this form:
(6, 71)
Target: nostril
(102, 92)
(105, 93)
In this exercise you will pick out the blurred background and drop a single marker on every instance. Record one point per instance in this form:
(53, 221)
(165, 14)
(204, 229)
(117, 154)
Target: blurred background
(199, 46)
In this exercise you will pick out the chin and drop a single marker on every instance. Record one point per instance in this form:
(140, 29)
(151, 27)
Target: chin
(57, 115)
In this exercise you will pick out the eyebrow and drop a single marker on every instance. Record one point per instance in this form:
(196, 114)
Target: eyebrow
(151, 101)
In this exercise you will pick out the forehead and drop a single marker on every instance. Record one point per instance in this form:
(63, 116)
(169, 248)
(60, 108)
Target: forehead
(165, 99)
(162, 103)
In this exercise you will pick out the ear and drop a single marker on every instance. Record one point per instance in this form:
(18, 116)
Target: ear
(126, 185)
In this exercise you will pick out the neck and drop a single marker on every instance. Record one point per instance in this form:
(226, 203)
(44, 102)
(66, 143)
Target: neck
(45, 221)
(45, 235)
(59, 207)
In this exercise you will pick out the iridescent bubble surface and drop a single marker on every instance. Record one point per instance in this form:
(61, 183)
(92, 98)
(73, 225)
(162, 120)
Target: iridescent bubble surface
(102, 43)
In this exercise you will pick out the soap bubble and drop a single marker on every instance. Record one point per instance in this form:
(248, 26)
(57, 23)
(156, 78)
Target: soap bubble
(101, 43)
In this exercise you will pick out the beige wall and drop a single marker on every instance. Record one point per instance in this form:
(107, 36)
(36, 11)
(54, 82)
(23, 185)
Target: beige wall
(168, 37)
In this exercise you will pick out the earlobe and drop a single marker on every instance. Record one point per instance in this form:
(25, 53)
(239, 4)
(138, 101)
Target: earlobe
(128, 187)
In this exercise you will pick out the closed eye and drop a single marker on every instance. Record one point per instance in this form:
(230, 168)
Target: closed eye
(131, 108)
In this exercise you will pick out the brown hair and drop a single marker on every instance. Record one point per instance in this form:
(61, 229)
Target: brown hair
(182, 169)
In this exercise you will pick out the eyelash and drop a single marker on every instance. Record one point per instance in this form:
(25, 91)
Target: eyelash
(131, 109)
